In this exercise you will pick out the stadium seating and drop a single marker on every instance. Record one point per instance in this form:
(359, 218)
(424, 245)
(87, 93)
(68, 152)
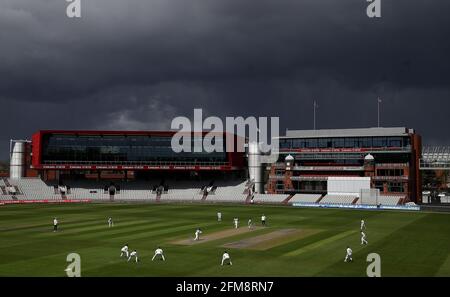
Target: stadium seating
(182, 190)
(270, 198)
(232, 191)
(338, 199)
(389, 200)
(34, 189)
(132, 191)
(381, 199)
(305, 198)
(238, 198)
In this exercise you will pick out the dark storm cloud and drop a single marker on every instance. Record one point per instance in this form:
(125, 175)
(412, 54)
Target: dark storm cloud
(136, 64)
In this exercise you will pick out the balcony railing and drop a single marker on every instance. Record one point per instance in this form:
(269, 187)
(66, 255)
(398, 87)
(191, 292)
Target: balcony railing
(391, 178)
(137, 163)
(328, 168)
(425, 165)
(309, 178)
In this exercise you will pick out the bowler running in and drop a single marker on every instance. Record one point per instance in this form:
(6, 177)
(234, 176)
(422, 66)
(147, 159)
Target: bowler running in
(197, 234)
(363, 238)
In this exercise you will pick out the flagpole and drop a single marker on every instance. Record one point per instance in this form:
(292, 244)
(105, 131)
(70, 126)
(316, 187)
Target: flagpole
(315, 105)
(379, 101)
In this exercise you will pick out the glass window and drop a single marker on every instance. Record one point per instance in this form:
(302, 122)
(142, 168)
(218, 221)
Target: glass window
(286, 143)
(350, 143)
(338, 142)
(298, 143)
(395, 187)
(311, 143)
(395, 142)
(323, 143)
(67, 148)
(380, 142)
(367, 142)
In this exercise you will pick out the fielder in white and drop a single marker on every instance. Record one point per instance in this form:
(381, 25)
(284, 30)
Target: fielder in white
(226, 259)
(348, 256)
(363, 225)
(110, 222)
(55, 224)
(236, 223)
(219, 216)
(263, 220)
(159, 253)
(250, 224)
(363, 238)
(197, 234)
(133, 254)
(124, 251)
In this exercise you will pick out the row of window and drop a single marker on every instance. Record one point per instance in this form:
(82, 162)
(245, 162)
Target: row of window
(130, 155)
(347, 142)
(393, 187)
(390, 172)
(128, 141)
(120, 148)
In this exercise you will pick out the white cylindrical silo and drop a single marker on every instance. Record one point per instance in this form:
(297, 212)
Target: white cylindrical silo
(17, 162)
(255, 167)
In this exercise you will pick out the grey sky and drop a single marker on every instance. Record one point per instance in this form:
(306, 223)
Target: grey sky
(136, 64)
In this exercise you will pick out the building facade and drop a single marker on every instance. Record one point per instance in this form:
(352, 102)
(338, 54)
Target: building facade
(389, 156)
(125, 154)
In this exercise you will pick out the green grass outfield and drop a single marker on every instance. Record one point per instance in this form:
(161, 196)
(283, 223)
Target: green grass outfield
(409, 243)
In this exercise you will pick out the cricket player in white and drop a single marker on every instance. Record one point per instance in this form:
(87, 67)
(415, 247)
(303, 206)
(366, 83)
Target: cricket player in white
(348, 256)
(219, 216)
(133, 254)
(263, 220)
(363, 225)
(226, 259)
(250, 224)
(159, 253)
(55, 225)
(110, 222)
(363, 238)
(236, 223)
(197, 234)
(124, 251)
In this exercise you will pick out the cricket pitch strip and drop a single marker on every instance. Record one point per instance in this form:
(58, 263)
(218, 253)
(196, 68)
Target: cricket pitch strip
(216, 235)
(272, 239)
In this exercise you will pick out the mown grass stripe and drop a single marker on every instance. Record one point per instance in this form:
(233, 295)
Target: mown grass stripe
(110, 234)
(41, 225)
(86, 229)
(168, 231)
(320, 243)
